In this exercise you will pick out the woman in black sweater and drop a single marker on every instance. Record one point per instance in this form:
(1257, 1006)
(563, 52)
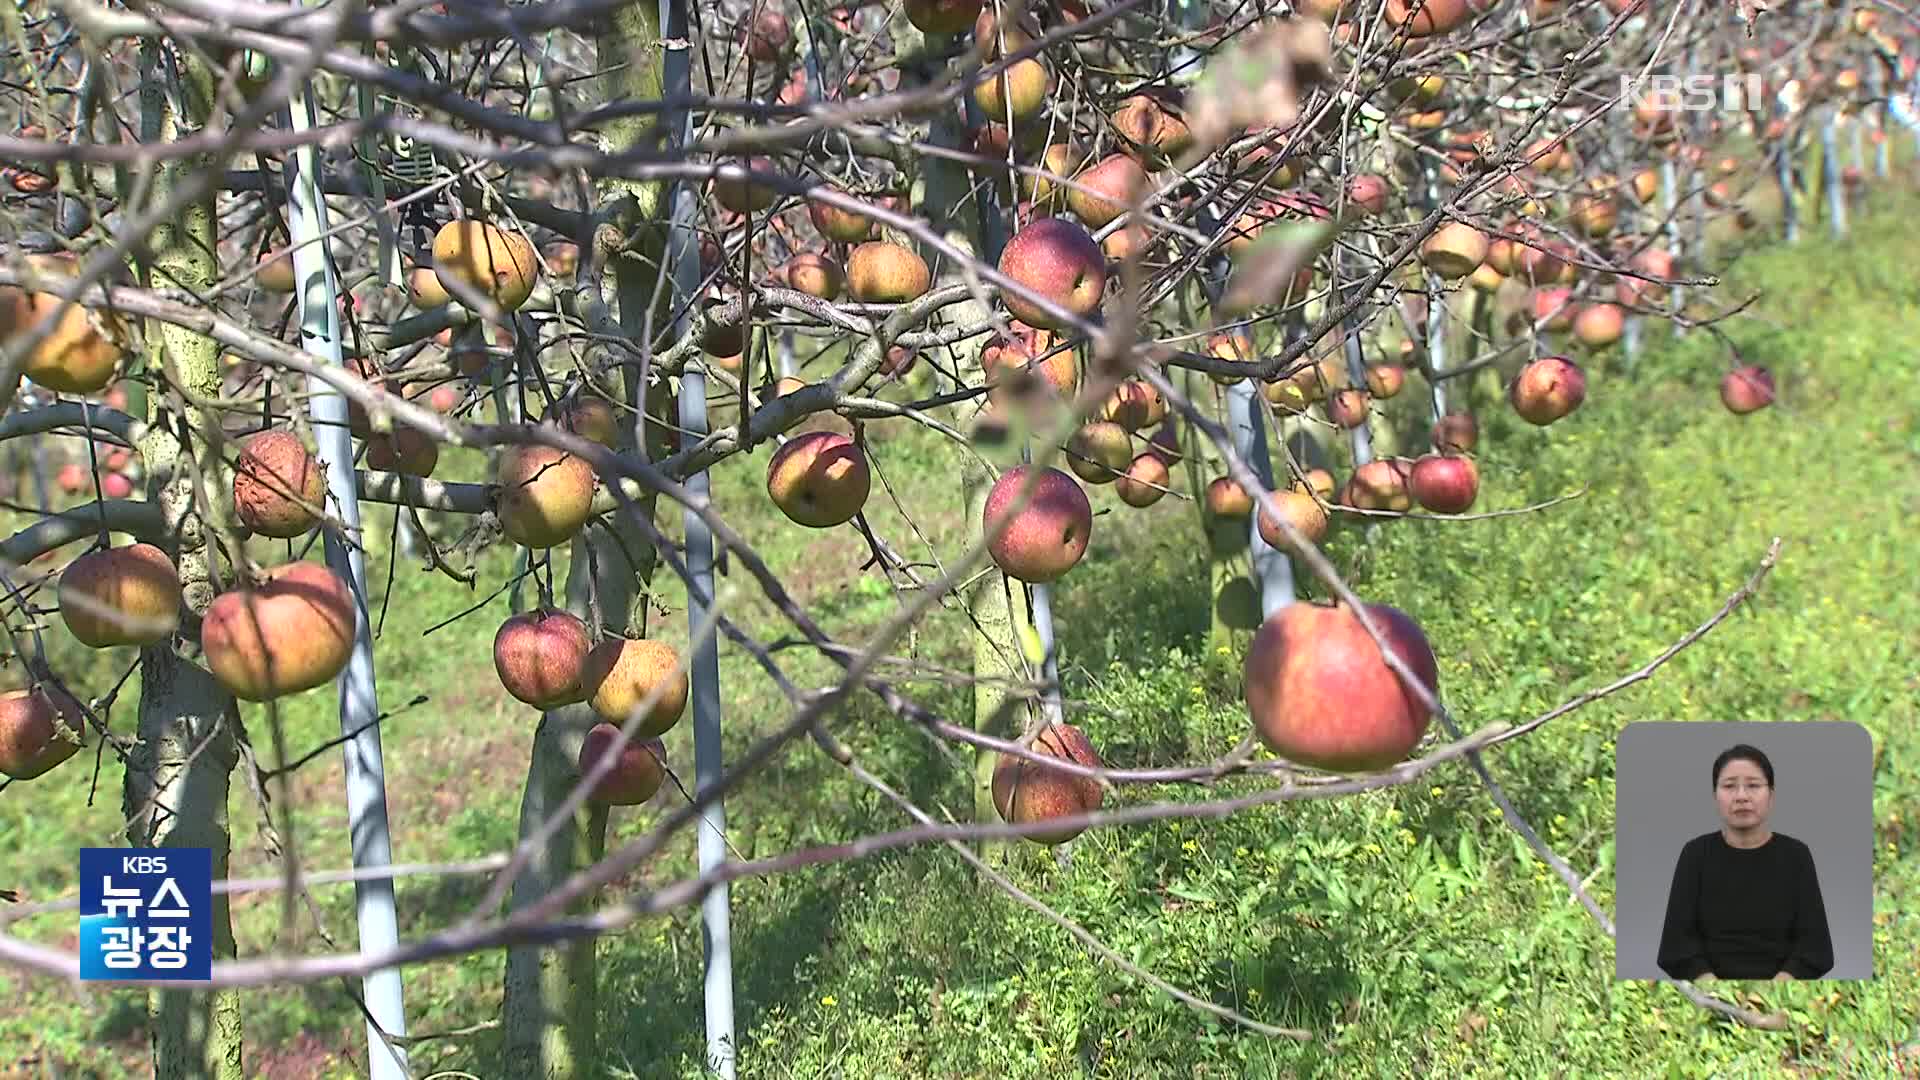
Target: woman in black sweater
(1745, 901)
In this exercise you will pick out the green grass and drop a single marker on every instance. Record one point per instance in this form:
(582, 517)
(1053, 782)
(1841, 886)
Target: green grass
(1408, 928)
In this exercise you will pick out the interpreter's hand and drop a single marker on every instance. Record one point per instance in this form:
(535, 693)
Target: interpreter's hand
(1780, 976)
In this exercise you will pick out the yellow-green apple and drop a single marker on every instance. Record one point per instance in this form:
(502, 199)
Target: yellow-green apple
(1021, 90)
(483, 258)
(1297, 508)
(546, 494)
(882, 272)
(121, 596)
(621, 673)
(1047, 192)
(1100, 451)
(840, 226)
(74, 357)
(1454, 250)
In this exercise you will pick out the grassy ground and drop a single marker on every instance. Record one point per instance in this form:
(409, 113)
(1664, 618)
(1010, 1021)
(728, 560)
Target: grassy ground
(1407, 928)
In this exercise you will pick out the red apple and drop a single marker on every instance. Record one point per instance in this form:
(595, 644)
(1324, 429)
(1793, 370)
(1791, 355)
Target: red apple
(1320, 693)
(1027, 792)
(1548, 389)
(819, 479)
(1048, 533)
(540, 656)
(1058, 260)
(1145, 480)
(1445, 483)
(1747, 389)
(1225, 498)
(635, 776)
(1456, 432)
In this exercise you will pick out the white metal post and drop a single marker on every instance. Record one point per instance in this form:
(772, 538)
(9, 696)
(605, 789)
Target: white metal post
(319, 312)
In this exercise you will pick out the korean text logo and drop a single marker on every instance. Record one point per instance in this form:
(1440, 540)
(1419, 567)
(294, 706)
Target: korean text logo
(146, 913)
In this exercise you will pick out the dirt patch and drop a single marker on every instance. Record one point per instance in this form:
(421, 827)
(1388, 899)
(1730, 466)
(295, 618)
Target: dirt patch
(305, 1057)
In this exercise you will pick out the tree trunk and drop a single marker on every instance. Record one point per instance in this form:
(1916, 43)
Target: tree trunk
(998, 606)
(173, 797)
(550, 1013)
(171, 802)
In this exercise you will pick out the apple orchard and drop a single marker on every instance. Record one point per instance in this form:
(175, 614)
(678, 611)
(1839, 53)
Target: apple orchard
(1262, 270)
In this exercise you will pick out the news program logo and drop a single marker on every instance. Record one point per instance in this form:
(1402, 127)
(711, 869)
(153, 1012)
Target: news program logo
(146, 913)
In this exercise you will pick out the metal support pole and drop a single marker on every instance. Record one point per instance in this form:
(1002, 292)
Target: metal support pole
(1877, 82)
(1272, 572)
(704, 668)
(319, 312)
(1670, 183)
(1783, 178)
(1830, 175)
(1356, 370)
(1436, 361)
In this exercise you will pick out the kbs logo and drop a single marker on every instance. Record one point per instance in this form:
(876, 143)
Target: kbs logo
(146, 913)
(1695, 93)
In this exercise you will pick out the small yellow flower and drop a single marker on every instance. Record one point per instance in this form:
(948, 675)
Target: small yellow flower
(1373, 849)
(1189, 846)
(1437, 791)
(829, 1001)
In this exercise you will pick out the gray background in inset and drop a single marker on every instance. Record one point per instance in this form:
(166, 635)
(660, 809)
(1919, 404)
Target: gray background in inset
(1822, 795)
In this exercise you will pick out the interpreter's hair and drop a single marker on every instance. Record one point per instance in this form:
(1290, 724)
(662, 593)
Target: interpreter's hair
(1738, 752)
